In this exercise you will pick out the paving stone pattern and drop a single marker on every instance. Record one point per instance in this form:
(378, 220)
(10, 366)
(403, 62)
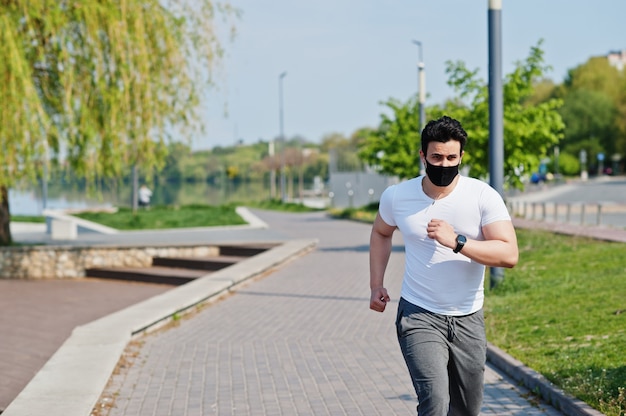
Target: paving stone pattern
(300, 341)
(37, 316)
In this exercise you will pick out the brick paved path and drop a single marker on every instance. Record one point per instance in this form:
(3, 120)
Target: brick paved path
(37, 316)
(300, 341)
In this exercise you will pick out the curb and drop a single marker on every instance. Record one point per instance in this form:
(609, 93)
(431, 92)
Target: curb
(88, 225)
(252, 220)
(538, 384)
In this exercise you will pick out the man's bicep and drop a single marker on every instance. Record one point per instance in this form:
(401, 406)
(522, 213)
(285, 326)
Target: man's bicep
(500, 230)
(382, 228)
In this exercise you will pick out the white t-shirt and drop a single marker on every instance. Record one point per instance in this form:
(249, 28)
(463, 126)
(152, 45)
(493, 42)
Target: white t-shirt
(436, 278)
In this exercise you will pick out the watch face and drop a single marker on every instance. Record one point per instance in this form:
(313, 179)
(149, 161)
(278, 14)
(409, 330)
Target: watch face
(460, 242)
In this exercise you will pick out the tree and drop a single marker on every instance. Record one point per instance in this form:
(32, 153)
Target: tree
(99, 83)
(596, 74)
(595, 107)
(529, 130)
(342, 152)
(543, 90)
(589, 114)
(177, 155)
(394, 147)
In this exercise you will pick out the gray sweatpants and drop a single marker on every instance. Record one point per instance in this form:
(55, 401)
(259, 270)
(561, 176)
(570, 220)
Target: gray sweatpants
(446, 358)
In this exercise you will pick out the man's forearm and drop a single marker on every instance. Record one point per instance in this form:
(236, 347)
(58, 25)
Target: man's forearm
(492, 253)
(380, 250)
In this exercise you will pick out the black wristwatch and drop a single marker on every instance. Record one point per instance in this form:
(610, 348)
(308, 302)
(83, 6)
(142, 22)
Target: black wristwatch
(460, 243)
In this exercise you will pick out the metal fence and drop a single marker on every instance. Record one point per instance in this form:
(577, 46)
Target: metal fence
(583, 213)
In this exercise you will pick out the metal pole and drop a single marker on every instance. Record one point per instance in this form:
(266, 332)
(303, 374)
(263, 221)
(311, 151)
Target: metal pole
(421, 82)
(282, 137)
(496, 112)
(135, 183)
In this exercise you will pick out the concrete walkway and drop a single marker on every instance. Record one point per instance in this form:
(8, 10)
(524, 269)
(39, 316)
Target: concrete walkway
(290, 339)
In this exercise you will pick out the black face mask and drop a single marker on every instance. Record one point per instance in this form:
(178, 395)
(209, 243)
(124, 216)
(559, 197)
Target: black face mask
(441, 175)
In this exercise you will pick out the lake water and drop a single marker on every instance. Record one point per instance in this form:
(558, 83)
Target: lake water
(30, 201)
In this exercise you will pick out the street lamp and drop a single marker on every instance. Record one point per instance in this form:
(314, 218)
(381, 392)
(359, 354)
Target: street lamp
(282, 136)
(496, 112)
(421, 82)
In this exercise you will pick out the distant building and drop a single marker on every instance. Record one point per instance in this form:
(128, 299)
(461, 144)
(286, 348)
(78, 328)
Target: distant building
(617, 59)
(356, 189)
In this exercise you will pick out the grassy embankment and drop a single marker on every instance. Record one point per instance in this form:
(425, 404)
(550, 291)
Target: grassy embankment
(561, 310)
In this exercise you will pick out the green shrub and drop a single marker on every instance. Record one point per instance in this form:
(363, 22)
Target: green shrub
(569, 165)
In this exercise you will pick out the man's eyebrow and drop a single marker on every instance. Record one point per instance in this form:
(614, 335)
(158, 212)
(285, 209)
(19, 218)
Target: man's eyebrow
(441, 154)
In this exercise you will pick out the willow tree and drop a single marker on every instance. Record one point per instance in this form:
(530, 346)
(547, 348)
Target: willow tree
(98, 84)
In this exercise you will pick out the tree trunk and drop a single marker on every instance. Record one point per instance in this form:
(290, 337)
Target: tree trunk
(135, 194)
(5, 218)
(301, 183)
(290, 185)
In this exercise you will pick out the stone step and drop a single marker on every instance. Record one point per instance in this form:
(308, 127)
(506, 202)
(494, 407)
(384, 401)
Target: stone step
(156, 274)
(245, 249)
(180, 270)
(198, 263)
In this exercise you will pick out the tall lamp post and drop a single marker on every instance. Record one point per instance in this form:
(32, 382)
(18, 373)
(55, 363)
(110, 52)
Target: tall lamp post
(496, 112)
(421, 82)
(282, 136)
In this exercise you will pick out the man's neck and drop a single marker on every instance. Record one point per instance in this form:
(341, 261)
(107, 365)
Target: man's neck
(438, 192)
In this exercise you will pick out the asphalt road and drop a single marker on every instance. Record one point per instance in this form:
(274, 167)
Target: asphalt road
(608, 192)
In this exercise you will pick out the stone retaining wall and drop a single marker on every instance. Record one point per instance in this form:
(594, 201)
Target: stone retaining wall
(69, 262)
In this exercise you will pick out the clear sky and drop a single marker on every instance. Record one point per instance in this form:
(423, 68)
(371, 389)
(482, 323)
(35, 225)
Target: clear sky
(343, 57)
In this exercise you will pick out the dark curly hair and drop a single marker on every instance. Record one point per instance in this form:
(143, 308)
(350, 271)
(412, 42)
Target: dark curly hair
(443, 130)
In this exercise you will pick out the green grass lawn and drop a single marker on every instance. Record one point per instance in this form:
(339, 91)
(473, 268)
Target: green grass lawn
(161, 217)
(28, 218)
(562, 312)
